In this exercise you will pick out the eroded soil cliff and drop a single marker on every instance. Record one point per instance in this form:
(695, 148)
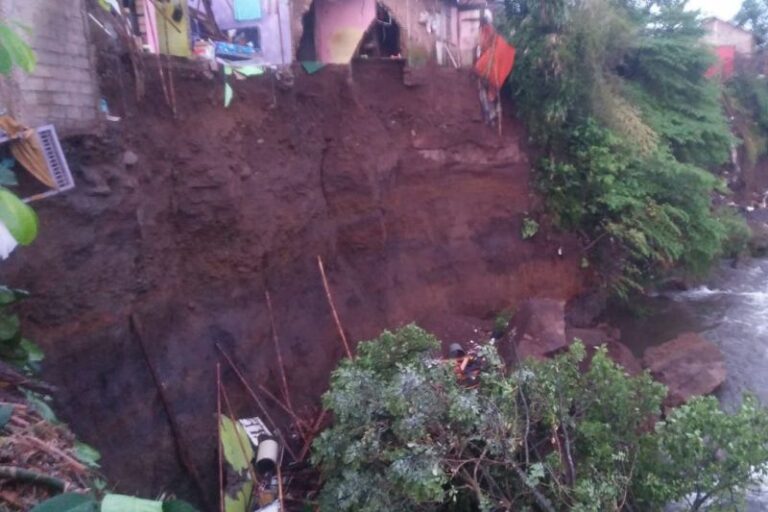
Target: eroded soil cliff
(414, 204)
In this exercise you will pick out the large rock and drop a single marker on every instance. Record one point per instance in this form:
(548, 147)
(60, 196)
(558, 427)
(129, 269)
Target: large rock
(539, 329)
(603, 335)
(688, 365)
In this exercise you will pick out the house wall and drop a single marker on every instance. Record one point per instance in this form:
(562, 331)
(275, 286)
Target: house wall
(468, 35)
(720, 33)
(274, 26)
(339, 27)
(417, 43)
(173, 37)
(63, 89)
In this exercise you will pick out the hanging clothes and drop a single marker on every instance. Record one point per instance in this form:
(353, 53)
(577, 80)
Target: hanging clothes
(247, 10)
(497, 58)
(26, 149)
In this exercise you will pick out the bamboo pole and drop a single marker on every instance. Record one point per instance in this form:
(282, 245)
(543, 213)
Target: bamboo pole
(276, 341)
(333, 307)
(218, 428)
(311, 436)
(280, 485)
(254, 396)
(248, 388)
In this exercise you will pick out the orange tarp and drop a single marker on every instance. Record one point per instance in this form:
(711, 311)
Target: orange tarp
(497, 58)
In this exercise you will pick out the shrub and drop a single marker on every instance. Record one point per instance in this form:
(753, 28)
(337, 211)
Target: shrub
(615, 94)
(561, 434)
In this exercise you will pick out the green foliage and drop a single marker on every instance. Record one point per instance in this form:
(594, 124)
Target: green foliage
(614, 92)
(562, 434)
(529, 229)
(121, 503)
(654, 210)
(705, 456)
(7, 176)
(738, 234)
(40, 405)
(87, 454)
(72, 502)
(178, 506)
(6, 411)
(14, 51)
(14, 348)
(748, 94)
(18, 217)
(754, 16)
(501, 322)
(68, 502)
(238, 453)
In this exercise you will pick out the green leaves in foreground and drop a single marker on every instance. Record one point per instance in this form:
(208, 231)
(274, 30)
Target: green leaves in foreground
(19, 218)
(14, 348)
(238, 453)
(14, 51)
(572, 433)
(68, 502)
(71, 502)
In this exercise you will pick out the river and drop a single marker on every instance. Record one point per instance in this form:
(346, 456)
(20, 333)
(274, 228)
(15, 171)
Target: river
(731, 310)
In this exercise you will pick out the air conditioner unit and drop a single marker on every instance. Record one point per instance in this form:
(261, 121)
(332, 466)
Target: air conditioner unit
(54, 157)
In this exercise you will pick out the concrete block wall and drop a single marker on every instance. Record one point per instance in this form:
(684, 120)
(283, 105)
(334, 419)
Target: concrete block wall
(63, 89)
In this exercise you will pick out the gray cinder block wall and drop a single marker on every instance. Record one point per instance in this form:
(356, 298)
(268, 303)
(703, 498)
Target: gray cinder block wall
(63, 88)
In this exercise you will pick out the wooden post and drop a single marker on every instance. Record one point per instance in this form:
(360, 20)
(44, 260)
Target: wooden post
(218, 429)
(333, 307)
(279, 353)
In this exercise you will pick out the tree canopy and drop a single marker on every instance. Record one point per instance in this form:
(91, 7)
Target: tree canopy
(615, 93)
(573, 433)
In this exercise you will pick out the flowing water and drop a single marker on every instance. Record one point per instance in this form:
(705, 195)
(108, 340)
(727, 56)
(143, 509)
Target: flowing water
(731, 310)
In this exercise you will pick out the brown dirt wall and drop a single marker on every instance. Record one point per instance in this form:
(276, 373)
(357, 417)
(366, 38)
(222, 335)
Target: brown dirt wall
(414, 204)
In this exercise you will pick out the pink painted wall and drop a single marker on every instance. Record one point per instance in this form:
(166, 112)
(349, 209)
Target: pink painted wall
(339, 27)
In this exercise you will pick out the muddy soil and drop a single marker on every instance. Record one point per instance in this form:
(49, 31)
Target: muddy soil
(414, 204)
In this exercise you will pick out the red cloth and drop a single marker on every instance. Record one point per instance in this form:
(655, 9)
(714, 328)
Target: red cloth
(497, 58)
(726, 57)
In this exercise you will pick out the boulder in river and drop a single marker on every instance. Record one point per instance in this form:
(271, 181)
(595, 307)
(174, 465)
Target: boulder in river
(688, 365)
(604, 335)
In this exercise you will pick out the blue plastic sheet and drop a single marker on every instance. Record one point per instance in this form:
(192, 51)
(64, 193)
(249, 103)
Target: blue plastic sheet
(246, 10)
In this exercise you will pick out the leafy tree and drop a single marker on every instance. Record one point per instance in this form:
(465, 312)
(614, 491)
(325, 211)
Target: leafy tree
(563, 434)
(753, 15)
(615, 94)
(13, 50)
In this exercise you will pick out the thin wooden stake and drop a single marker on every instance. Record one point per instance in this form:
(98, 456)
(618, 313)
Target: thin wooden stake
(248, 388)
(280, 483)
(498, 110)
(333, 307)
(311, 435)
(279, 352)
(218, 428)
(240, 441)
(253, 394)
(300, 423)
(172, 86)
(176, 432)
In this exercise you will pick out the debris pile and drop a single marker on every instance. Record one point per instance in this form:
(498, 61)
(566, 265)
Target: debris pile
(39, 457)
